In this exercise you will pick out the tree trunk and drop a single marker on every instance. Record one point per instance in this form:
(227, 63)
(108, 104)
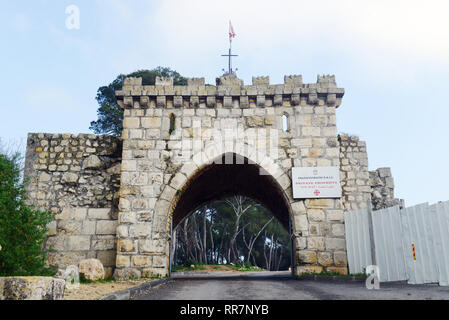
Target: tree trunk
(204, 235)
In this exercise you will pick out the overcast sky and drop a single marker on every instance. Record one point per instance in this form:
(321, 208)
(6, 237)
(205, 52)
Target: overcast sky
(392, 57)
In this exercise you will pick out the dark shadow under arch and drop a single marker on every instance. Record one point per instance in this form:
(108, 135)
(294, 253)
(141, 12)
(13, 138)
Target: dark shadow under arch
(217, 181)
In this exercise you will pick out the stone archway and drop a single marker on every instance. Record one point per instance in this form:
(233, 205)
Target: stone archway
(231, 174)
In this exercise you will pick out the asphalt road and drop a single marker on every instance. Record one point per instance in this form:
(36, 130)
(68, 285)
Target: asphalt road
(281, 286)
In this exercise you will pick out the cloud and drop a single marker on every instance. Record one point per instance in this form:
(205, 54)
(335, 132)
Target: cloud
(374, 31)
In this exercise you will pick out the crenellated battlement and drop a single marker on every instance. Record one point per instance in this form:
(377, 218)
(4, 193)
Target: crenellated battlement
(164, 81)
(261, 81)
(327, 81)
(230, 91)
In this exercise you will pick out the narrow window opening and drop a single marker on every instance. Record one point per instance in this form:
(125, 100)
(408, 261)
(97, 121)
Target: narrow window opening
(172, 123)
(285, 123)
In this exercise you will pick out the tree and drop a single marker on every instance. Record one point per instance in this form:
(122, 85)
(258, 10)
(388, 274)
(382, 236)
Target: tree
(236, 229)
(22, 228)
(110, 115)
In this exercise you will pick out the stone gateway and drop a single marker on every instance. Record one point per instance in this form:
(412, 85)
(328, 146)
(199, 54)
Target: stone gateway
(117, 199)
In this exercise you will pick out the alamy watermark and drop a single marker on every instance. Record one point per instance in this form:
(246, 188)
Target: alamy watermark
(372, 282)
(73, 21)
(217, 146)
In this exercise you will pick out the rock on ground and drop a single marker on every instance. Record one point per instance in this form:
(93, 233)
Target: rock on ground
(91, 269)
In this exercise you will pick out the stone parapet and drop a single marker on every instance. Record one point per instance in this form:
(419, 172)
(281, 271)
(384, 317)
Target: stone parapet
(196, 94)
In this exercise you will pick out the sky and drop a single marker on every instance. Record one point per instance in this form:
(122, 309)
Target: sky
(392, 58)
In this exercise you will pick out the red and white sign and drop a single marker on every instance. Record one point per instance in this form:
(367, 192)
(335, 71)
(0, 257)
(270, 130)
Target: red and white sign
(316, 182)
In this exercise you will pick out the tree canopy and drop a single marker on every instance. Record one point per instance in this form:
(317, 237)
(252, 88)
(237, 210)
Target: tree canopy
(110, 115)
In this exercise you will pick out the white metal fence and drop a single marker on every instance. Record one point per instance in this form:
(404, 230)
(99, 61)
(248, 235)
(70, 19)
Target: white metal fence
(408, 244)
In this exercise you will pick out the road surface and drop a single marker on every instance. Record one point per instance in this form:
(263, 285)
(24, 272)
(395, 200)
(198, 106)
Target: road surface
(281, 286)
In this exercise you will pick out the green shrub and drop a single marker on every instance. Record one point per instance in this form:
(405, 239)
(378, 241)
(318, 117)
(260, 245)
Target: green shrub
(22, 228)
(190, 262)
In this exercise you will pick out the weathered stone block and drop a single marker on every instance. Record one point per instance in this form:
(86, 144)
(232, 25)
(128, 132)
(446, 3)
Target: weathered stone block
(69, 227)
(126, 246)
(69, 178)
(31, 288)
(298, 207)
(127, 217)
(92, 162)
(151, 246)
(57, 243)
(254, 121)
(151, 122)
(99, 213)
(335, 215)
(306, 257)
(338, 230)
(105, 242)
(88, 227)
(319, 203)
(78, 243)
(334, 244)
(316, 215)
(106, 227)
(123, 261)
(340, 259)
(127, 273)
(131, 123)
(325, 258)
(160, 261)
(301, 222)
(315, 243)
(141, 261)
(140, 230)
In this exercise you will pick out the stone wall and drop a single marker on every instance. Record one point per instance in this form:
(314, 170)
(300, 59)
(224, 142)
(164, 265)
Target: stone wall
(382, 189)
(361, 187)
(355, 179)
(76, 177)
(117, 201)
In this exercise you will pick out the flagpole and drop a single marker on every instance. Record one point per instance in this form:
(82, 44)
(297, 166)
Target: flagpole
(230, 48)
(230, 55)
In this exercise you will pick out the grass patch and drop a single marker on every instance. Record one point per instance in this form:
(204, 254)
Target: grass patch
(245, 267)
(326, 273)
(83, 280)
(188, 268)
(218, 267)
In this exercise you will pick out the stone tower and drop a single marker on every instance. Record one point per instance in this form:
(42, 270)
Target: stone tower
(186, 145)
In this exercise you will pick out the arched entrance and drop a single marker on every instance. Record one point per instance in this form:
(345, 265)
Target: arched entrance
(231, 174)
(173, 134)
